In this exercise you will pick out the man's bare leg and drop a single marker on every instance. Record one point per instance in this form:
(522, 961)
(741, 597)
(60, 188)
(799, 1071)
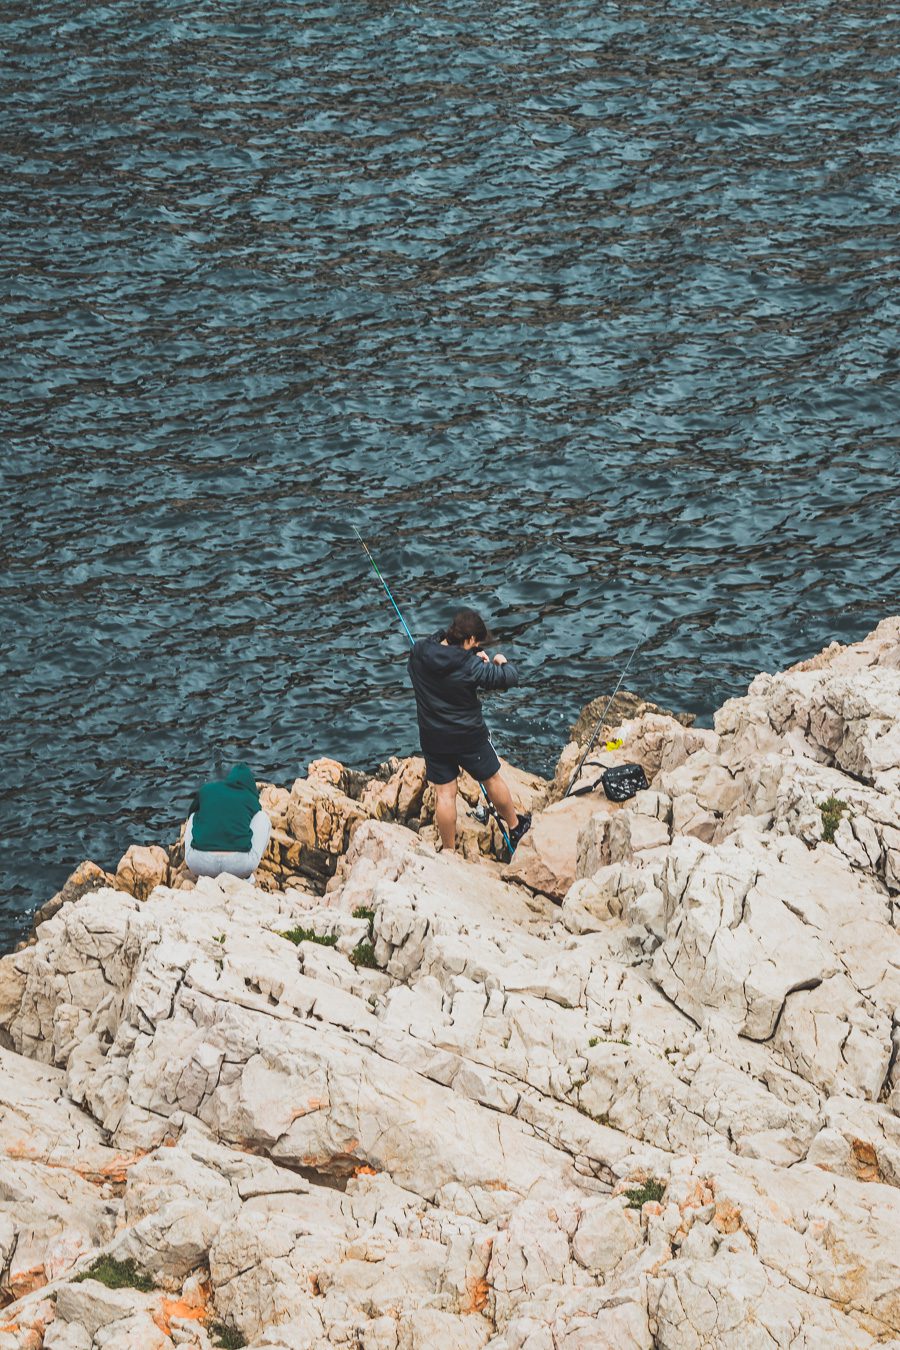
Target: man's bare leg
(445, 813)
(501, 796)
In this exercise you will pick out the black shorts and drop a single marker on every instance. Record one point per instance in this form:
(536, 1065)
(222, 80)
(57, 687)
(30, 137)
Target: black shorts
(482, 763)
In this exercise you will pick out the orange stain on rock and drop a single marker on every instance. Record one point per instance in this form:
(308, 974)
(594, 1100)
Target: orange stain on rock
(727, 1217)
(314, 1104)
(477, 1293)
(186, 1310)
(865, 1161)
(180, 1308)
(115, 1171)
(364, 1171)
(698, 1196)
(21, 1149)
(24, 1282)
(342, 1164)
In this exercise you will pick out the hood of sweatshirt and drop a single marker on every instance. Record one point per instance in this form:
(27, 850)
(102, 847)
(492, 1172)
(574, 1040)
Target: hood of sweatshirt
(240, 777)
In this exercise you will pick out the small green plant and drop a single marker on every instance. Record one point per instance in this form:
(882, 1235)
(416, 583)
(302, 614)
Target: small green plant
(117, 1275)
(220, 938)
(651, 1190)
(608, 1040)
(363, 912)
(298, 935)
(227, 1338)
(595, 1040)
(363, 954)
(832, 809)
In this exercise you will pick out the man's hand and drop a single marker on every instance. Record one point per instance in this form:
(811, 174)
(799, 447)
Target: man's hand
(499, 659)
(484, 656)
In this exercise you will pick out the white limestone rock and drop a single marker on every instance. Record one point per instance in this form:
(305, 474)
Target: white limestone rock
(606, 839)
(664, 1112)
(546, 860)
(57, 1179)
(733, 944)
(867, 835)
(607, 1233)
(858, 1139)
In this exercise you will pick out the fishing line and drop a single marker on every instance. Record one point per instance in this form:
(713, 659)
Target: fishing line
(634, 651)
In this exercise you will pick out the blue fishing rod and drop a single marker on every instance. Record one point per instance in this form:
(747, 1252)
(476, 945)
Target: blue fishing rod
(412, 642)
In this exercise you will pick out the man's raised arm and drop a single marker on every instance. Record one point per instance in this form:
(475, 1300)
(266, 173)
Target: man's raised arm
(496, 675)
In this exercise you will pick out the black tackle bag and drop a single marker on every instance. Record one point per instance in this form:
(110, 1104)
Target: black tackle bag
(623, 781)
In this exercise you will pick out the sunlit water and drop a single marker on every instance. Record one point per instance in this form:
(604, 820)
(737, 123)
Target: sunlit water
(584, 314)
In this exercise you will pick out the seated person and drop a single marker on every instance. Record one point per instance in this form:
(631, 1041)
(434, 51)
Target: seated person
(227, 830)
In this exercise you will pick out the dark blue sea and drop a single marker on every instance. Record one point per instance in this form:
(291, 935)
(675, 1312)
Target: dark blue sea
(586, 314)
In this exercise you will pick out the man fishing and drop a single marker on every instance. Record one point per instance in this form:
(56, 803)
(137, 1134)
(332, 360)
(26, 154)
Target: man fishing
(448, 672)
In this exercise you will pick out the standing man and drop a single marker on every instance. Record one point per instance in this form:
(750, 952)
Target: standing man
(448, 671)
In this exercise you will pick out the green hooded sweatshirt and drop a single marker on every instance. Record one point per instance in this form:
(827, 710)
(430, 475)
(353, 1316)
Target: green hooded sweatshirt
(223, 811)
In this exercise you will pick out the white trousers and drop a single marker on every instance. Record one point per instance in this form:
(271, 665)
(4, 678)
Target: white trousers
(241, 865)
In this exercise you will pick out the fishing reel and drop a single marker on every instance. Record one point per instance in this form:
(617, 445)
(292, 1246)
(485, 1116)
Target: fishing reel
(485, 812)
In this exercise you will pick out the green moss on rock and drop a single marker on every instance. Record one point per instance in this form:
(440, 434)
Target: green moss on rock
(832, 809)
(117, 1275)
(651, 1191)
(363, 954)
(298, 935)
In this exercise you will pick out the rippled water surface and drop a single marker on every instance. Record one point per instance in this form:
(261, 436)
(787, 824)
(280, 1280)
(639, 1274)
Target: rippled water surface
(586, 314)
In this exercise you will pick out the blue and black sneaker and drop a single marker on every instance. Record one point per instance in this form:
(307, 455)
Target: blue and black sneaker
(521, 829)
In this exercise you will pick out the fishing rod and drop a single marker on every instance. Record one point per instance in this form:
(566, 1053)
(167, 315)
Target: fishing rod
(412, 642)
(599, 727)
(634, 651)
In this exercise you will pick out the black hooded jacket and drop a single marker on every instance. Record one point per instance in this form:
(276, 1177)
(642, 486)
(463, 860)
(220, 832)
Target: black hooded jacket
(447, 681)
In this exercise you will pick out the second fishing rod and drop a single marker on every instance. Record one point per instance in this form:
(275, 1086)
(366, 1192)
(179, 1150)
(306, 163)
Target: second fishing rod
(572, 790)
(492, 810)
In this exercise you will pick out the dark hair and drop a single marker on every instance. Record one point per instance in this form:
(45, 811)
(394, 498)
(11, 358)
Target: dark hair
(468, 623)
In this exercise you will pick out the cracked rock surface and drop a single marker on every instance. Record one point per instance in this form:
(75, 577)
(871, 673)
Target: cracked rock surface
(639, 1089)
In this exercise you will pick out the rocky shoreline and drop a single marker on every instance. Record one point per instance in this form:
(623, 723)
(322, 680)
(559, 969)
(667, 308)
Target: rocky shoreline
(640, 1088)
